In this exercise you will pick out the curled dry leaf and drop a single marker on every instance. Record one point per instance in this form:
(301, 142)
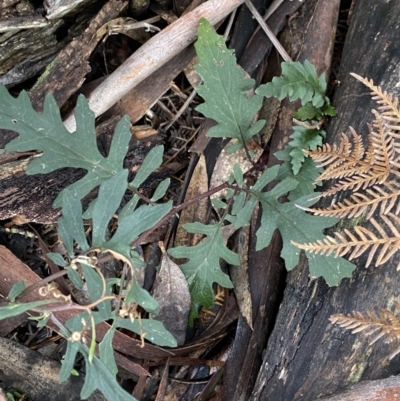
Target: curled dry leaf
(171, 291)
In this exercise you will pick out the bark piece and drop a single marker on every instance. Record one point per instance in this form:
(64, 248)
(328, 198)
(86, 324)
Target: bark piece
(375, 390)
(36, 375)
(27, 43)
(66, 74)
(266, 271)
(307, 357)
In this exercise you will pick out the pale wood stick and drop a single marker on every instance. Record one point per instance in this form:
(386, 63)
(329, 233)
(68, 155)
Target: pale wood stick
(153, 54)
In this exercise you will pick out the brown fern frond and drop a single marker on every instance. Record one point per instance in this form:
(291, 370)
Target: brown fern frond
(387, 198)
(355, 167)
(344, 159)
(386, 324)
(383, 245)
(388, 105)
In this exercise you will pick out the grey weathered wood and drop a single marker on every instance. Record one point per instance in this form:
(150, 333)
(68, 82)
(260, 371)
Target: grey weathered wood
(307, 357)
(37, 375)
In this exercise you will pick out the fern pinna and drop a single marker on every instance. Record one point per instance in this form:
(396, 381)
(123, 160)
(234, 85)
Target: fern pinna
(372, 176)
(383, 325)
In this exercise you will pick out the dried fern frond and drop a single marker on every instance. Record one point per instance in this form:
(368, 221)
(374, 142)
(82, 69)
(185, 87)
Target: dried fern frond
(344, 159)
(360, 242)
(388, 104)
(355, 167)
(387, 198)
(386, 324)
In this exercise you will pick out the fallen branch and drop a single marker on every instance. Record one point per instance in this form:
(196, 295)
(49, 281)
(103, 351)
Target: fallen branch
(153, 54)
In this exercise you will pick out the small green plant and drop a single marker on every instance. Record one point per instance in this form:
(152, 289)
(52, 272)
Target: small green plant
(225, 92)
(301, 82)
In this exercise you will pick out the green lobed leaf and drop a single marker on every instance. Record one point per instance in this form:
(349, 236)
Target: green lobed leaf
(161, 190)
(155, 331)
(303, 139)
(131, 226)
(224, 89)
(75, 278)
(293, 223)
(110, 195)
(98, 375)
(151, 162)
(13, 309)
(308, 112)
(238, 174)
(140, 296)
(107, 351)
(306, 176)
(96, 289)
(71, 224)
(298, 81)
(46, 132)
(56, 258)
(203, 266)
(16, 289)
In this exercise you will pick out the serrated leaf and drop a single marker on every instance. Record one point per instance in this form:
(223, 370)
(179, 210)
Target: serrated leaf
(46, 132)
(203, 266)
(298, 81)
(151, 162)
(328, 110)
(155, 331)
(224, 89)
(16, 289)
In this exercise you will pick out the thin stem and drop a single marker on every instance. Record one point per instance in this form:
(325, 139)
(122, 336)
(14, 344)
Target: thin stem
(40, 283)
(175, 210)
(268, 31)
(141, 196)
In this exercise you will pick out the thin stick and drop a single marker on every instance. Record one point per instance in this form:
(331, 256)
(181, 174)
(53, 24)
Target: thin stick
(268, 31)
(154, 54)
